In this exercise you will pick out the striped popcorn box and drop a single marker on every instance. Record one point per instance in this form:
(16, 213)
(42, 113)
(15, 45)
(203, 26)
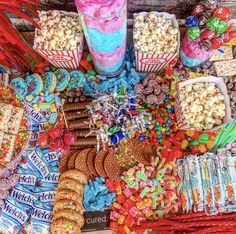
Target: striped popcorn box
(68, 59)
(181, 120)
(148, 62)
(63, 59)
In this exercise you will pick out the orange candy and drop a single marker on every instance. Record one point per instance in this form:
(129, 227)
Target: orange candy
(184, 144)
(190, 133)
(202, 148)
(178, 154)
(86, 65)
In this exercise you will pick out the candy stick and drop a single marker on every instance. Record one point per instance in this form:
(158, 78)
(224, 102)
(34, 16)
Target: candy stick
(76, 115)
(63, 113)
(79, 124)
(85, 141)
(76, 106)
(84, 133)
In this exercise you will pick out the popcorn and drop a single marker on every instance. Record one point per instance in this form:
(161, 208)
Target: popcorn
(154, 34)
(202, 105)
(58, 31)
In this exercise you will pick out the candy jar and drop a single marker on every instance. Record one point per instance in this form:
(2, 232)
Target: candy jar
(192, 54)
(105, 28)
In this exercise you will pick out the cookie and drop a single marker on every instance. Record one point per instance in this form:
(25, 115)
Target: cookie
(142, 153)
(91, 162)
(68, 204)
(76, 80)
(112, 166)
(63, 78)
(64, 225)
(81, 162)
(76, 175)
(68, 195)
(71, 163)
(49, 82)
(34, 84)
(64, 161)
(71, 184)
(71, 214)
(20, 87)
(99, 162)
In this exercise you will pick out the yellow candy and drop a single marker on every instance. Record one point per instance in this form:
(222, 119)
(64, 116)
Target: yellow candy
(53, 108)
(119, 190)
(210, 144)
(121, 219)
(116, 205)
(36, 107)
(184, 144)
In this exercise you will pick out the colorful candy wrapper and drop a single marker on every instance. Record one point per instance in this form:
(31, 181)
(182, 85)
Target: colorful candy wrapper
(13, 216)
(209, 197)
(23, 195)
(226, 178)
(51, 157)
(185, 199)
(45, 194)
(52, 179)
(40, 219)
(37, 163)
(216, 178)
(196, 182)
(232, 172)
(26, 177)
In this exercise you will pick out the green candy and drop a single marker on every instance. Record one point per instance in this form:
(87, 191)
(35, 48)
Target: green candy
(91, 73)
(113, 129)
(222, 26)
(213, 23)
(195, 142)
(89, 58)
(193, 33)
(203, 138)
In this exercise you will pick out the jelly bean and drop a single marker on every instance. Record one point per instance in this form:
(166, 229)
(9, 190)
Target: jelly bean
(184, 144)
(86, 65)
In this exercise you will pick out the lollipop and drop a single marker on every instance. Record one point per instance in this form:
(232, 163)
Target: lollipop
(191, 21)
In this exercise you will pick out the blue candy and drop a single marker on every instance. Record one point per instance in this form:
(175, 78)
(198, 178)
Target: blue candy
(192, 21)
(97, 195)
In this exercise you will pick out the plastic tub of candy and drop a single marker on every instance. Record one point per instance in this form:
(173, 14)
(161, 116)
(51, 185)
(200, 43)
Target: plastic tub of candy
(105, 28)
(147, 57)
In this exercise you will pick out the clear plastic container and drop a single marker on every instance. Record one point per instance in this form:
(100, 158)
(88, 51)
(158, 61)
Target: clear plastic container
(105, 28)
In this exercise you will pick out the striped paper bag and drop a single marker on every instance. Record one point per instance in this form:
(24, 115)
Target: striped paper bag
(181, 121)
(63, 59)
(147, 62)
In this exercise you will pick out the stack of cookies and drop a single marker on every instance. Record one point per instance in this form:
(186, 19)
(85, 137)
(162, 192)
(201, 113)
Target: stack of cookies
(78, 121)
(104, 163)
(68, 209)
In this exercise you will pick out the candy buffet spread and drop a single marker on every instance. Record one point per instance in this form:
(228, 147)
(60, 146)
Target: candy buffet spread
(99, 133)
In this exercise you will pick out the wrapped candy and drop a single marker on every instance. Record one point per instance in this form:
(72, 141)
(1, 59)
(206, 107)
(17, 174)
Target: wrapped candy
(193, 33)
(213, 23)
(191, 21)
(216, 42)
(207, 34)
(206, 44)
(223, 13)
(198, 9)
(222, 27)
